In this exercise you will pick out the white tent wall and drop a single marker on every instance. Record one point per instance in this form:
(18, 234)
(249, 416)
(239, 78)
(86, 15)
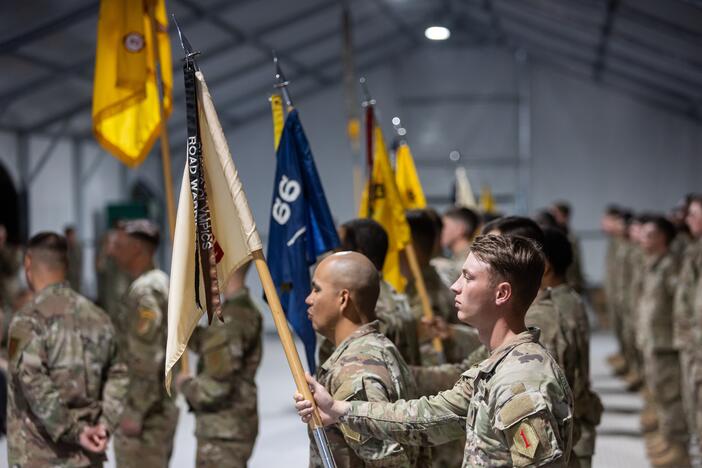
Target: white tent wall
(589, 145)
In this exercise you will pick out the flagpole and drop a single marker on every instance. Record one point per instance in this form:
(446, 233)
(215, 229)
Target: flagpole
(292, 355)
(165, 148)
(409, 251)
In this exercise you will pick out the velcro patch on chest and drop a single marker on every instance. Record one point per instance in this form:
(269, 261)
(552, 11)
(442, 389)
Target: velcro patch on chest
(525, 439)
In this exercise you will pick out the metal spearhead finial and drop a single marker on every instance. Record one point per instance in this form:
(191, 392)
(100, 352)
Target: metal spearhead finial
(187, 48)
(281, 82)
(367, 99)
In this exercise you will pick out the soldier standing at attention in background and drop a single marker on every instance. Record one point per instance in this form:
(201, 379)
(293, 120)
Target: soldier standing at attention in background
(150, 416)
(65, 377)
(458, 228)
(223, 395)
(515, 408)
(668, 447)
(364, 366)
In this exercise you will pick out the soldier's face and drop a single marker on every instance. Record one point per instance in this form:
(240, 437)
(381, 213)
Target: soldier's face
(124, 250)
(652, 240)
(451, 231)
(474, 291)
(694, 219)
(323, 302)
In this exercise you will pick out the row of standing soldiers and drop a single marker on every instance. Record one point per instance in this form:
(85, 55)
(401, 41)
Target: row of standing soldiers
(120, 355)
(654, 296)
(80, 376)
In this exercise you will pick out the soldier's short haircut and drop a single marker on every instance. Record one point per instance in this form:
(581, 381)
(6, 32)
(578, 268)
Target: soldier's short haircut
(563, 207)
(516, 226)
(49, 249)
(516, 260)
(613, 210)
(423, 228)
(546, 220)
(469, 218)
(557, 250)
(664, 226)
(368, 237)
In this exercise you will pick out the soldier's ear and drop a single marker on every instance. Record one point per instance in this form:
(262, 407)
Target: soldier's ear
(503, 293)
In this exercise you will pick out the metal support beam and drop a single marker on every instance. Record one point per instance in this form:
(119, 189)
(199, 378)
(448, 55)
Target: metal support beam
(23, 166)
(50, 27)
(605, 33)
(463, 99)
(97, 161)
(78, 206)
(523, 85)
(670, 55)
(548, 30)
(44, 158)
(409, 31)
(222, 48)
(254, 41)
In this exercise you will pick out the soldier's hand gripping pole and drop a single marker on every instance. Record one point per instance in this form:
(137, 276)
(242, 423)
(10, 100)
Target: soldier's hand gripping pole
(293, 357)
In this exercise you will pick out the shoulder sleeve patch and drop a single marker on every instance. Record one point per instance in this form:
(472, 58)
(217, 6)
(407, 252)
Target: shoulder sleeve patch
(525, 439)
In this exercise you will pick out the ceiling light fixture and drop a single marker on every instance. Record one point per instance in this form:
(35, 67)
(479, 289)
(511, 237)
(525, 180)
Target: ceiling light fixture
(437, 33)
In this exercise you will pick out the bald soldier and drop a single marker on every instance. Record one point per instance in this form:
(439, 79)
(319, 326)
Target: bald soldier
(515, 408)
(364, 366)
(65, 377)
(223, 394)
(150, 416)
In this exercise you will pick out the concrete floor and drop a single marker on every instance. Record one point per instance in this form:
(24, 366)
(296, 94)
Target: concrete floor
(283, 439)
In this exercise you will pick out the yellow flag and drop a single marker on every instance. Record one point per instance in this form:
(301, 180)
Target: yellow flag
(278, 119)
(385, 206)
(487, 201)
(126, 113)
(233, 228)
(408, 180)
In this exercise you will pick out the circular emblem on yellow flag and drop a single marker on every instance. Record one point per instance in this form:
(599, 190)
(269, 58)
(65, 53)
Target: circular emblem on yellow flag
(134, 42)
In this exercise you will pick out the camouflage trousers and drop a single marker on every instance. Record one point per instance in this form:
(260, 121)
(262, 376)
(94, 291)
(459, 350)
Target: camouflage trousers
(688, 388)
(663, 378)
(584, 448)
(632, 352)
(216, 453)
(154, 446)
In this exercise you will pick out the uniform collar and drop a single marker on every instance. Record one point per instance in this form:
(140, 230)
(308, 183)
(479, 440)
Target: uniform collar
(531, 335)
(363, 330)
(50, 289)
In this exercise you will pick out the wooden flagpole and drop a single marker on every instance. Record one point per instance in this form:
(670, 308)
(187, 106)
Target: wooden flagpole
(427, 312)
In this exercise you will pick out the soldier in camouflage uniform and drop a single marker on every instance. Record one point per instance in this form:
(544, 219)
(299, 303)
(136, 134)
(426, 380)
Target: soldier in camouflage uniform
(515, 408)
(364, 366)
(424, 235)
(150, 416)
(612, 226)
(66, 380)
(575, 277)
(560, 312)
(223, 394)
(661, 360)
(112, 283)
(458, 227)
(686, 317)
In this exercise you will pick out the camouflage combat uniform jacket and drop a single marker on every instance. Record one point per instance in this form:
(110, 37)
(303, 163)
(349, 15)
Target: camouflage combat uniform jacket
(588, 406)
(367, 366)
(146, 312)
(655, 318)
(515, 409)
(224, 395)
(64, 374)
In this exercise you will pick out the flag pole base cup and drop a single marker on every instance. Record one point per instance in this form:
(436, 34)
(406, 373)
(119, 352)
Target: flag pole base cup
(320, 438)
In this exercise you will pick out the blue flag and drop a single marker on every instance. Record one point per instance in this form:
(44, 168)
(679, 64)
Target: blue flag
(301, 228)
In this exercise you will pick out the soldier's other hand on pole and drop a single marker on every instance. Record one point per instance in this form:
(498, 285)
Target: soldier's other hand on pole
(330, 410)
